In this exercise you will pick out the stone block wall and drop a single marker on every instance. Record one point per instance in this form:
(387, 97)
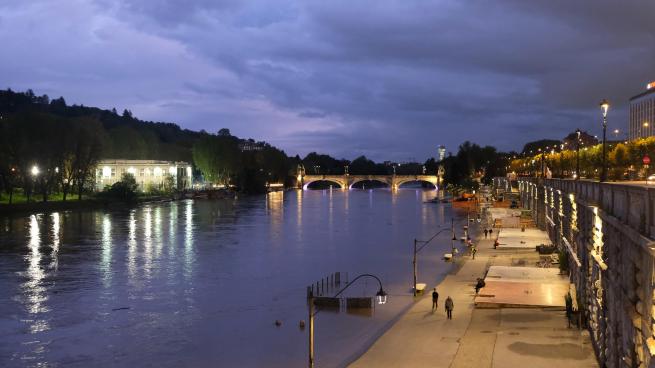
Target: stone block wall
(607, 229)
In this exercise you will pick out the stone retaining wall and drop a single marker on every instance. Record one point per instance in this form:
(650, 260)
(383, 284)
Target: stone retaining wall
(607, 228)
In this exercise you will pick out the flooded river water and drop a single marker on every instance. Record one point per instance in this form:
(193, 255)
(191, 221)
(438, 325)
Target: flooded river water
(201, 282)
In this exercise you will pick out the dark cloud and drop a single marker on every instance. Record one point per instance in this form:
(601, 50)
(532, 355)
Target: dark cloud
(387, 79)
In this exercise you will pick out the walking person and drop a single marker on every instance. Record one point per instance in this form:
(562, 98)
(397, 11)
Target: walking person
(435, 299)
(474, 250)
(485, 233)
(449, 307)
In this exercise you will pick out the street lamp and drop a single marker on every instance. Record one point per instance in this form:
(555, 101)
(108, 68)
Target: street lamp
(577, 154)
(380, 297)
(425, 243)
(561, 161)
(643, 132)
(604, 106)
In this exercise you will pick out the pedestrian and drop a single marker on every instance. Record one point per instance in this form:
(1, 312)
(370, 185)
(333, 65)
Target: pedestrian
(479, 285)
(474, 250)
(435, 299)
(449, 307)
(485, 233)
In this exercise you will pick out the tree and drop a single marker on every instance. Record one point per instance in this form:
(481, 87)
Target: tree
(224, 132)
(125, 189)
(127, 114)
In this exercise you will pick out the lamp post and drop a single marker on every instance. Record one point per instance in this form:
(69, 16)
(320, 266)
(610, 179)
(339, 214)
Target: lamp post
(425, 242)
(35, 172)
(561, 161)
(577, 154)
(604, 106)
(380, 296)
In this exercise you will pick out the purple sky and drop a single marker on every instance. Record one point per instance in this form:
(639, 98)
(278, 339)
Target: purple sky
(388, 79)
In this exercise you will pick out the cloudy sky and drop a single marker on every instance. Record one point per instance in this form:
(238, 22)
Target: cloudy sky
(388, 79)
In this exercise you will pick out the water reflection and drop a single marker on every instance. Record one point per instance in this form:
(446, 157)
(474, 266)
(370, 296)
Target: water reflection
(106, 249)
(275, 210)
(147, 240)
(34, 292)
(211, 279)
(172, 229)
(56, 229)
(131, 246)
(188, 238)
(157, 231)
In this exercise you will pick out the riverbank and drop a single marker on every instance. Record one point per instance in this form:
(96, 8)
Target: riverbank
(73, 204)
(479, 337)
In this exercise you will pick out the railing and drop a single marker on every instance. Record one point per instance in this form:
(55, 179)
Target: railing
(632, 205)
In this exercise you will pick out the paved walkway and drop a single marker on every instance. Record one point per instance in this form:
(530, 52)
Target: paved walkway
(479, 337)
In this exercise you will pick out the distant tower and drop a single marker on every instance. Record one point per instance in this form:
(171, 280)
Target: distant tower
(441, 153)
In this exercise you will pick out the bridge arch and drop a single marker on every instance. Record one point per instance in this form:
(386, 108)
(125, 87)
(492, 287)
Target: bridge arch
(416, 180)
(387, 183)
(339, 183)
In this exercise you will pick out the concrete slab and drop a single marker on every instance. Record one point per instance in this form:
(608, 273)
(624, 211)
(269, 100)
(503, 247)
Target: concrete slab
(523, 274)
(517, 239)
(523, 287)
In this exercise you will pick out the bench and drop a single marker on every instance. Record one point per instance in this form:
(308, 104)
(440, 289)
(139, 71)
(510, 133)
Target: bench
(420, 287)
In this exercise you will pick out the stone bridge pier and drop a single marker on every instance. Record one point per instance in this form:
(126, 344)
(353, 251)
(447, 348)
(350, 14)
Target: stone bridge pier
(607, 229)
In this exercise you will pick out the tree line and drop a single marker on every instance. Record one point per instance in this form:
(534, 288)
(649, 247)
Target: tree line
(47, 146)
(624, 160)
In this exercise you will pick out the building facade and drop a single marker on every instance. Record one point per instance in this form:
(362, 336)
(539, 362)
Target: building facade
(642, 114)
(149, 174)
(441, 153)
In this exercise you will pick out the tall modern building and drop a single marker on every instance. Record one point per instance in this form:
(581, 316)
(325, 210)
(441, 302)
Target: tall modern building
(441, 153)
(642, 114)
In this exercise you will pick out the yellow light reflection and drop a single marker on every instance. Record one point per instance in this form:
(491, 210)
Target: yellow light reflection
(275, 210)
(299, 199)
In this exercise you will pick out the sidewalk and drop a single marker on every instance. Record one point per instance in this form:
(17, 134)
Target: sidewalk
(479, 337)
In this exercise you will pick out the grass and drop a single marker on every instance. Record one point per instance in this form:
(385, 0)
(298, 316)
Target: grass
(20, 197)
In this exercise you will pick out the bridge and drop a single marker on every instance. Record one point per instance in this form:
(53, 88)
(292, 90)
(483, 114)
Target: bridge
(347, 181)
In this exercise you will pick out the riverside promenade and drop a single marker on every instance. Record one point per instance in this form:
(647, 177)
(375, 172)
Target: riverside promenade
(510, 337)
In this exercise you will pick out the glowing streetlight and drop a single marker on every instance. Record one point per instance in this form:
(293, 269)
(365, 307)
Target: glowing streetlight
(577, 154)
(35, 170)
(604, 106)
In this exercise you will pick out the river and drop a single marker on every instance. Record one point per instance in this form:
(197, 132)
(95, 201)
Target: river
(200, 282)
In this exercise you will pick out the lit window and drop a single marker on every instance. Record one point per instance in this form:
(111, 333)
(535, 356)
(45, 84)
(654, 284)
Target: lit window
(131, 170)
(157, 171)
(188, 171)
(106, 171)
(172, 170)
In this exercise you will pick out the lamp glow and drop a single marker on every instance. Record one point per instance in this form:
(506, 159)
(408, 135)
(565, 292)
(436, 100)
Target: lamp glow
(604, 106)
(35, 170)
